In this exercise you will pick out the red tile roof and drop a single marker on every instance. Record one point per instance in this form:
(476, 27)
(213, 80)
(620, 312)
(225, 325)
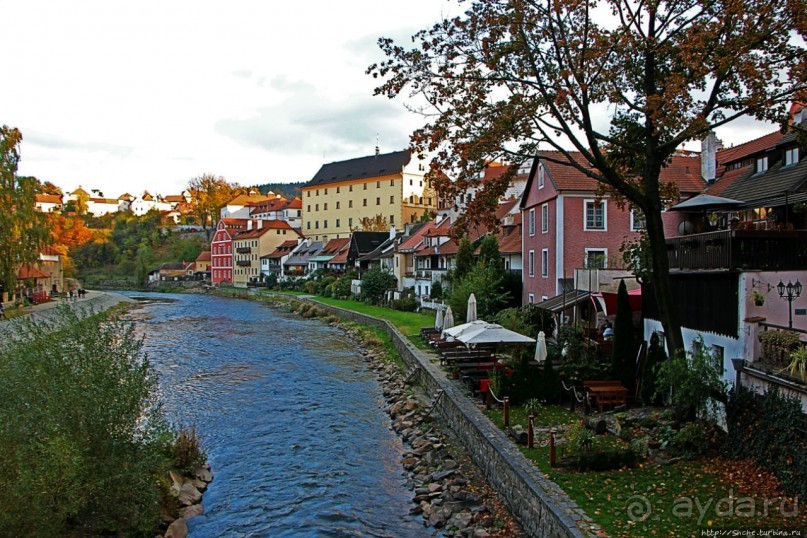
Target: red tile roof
(296, 203)
(50, 251)
(746, 149)
(335, 246)
(28, 271)
(413, 240)
(203, 256)
(683, 170)
(48, 198)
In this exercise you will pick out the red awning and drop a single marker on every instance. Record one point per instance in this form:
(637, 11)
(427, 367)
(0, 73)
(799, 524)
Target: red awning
(634, 297)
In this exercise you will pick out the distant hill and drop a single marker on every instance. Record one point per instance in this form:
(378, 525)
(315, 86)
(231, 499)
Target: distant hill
(288, 190)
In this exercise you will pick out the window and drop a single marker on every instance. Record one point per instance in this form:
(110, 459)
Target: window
(350, 188)
(545, 262)
(541, 175)
(326, 191)
(337, 190)
(316, 225)
(350, 221)
(308, 225)
(325, 206)
(596, 258)
(316, 207)
(718, 353)
(377, 184)
(392, 220)
(365, 186)
(365, 202)
(392, 199)
(325, 223)
(392, 182)
(337, 205)
(531, 298)
(378, 201)
(317, 192)
(545, 218)
(531, 265)
(637, 220)
(595, 215)
(309, 194)
(532, 222)
(791, 156)
(350, 203)
(762, 164)
(410, 182)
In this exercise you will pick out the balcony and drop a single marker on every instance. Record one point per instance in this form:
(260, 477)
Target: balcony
(244, 250)
(739, 250)
(243, 263)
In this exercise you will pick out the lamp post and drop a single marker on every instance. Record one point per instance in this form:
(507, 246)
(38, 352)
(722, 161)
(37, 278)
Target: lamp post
(788, 293)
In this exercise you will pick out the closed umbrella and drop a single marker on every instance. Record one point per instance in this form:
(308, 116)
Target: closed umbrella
(540, 348)
(471, 309)
(438, 321)
(448, 319)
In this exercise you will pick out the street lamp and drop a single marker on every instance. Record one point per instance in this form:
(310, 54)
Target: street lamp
(789, 292)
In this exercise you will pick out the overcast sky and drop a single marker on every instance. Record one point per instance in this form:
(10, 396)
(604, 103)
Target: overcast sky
(132, 96)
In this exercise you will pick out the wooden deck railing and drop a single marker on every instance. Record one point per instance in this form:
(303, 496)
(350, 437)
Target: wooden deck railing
(759, 250)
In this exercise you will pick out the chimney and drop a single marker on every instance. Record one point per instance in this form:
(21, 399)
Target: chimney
(260, 224)
(249, 225)
(709, 148)
(392, 232)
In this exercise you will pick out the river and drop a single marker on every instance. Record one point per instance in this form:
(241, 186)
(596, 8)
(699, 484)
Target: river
(292, 420)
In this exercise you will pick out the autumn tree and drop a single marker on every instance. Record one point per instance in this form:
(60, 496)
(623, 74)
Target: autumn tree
(372, 224)
(23, 229)
(210, 193)
(621, 83)
(49, 188)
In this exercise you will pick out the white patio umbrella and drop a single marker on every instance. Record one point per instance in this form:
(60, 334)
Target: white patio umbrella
(455, 331)
(540, 348)
(492, 333)
(448, 319)
(438, 321)
(471, 309)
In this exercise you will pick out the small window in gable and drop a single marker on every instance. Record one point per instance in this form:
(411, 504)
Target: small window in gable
(541, 175)
(791, 156)
(762, 164)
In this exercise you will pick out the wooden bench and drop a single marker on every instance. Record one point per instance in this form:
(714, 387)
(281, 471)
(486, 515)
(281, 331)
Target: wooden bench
(606, 393)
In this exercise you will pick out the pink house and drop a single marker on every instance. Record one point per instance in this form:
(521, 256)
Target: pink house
(566, 226)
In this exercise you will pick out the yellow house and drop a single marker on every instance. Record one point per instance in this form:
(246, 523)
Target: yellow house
(260, 238)
(389, 189)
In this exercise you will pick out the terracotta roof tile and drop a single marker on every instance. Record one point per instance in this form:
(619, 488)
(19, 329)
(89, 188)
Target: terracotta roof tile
(203, 256)
(48, 198)
(28, 271)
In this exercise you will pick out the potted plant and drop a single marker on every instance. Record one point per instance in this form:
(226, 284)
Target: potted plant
(778, 345)
(758, 298)
(798, 363)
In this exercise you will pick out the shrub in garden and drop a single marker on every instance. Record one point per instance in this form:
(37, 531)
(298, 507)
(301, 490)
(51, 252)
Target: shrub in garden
(375, 283)
(649, 383)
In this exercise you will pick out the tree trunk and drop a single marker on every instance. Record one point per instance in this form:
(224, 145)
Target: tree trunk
(668, 312)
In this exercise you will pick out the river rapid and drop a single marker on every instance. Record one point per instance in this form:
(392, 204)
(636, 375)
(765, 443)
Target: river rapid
(292, 420)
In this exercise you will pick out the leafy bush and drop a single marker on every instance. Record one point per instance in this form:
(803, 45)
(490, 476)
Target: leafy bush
(770, 430)
(188, 453)
(437, 290)
(486, 285)
(406, 304)
(83, 437)
(693, 440)
(649, 383)
(375, 283)
(690, 382)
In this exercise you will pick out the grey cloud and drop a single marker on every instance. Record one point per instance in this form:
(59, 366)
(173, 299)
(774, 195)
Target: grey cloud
(53, 142)
(309, 124)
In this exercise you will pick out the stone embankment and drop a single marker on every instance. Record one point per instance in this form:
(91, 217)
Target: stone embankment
(187, 492)
(448, 492)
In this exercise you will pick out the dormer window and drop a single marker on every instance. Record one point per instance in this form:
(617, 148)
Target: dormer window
(541, 176)
(762, 164)
(791, 156)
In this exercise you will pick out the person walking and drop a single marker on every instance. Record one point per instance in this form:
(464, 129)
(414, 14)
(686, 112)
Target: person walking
(2, 310)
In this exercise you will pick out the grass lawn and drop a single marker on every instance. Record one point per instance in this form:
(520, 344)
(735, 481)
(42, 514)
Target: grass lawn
(675, 499)
(409, 323)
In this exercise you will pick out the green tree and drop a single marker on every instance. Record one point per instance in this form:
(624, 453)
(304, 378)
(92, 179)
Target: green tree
(649, 384)
(142, 264)
(623, 357)
(375, 283)
(81, 425)
(486, 285)
(489, 254)
(23, 229)
(464, 260)
(510, 76)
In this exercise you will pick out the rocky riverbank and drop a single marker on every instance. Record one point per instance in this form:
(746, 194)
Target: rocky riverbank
(184, 500)
(449, 493)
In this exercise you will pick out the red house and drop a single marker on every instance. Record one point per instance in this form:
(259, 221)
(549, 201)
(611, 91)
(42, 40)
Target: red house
(566, 226)
(221, 249)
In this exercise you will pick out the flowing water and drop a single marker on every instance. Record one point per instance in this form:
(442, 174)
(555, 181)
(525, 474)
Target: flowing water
(291, 419)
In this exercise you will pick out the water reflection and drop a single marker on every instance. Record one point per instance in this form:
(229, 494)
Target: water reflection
(293, 421)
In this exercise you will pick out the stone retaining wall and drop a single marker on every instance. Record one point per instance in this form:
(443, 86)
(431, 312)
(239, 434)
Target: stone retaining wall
(539, 505)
